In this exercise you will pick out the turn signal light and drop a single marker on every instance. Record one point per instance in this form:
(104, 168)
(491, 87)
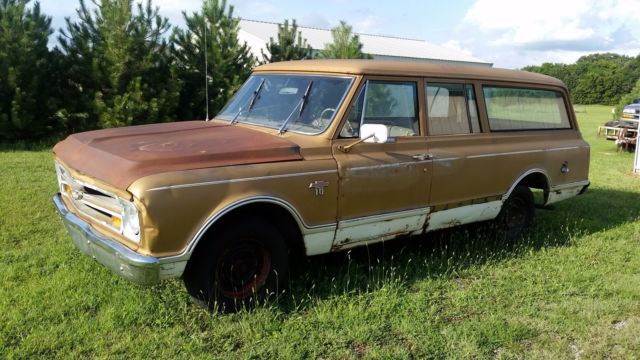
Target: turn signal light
(116, 222)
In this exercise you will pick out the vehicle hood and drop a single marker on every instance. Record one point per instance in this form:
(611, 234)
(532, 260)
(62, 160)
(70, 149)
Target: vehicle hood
(122, 155)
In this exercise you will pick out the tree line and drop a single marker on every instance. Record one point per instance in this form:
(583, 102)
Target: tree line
(604, 78)
(120, 63)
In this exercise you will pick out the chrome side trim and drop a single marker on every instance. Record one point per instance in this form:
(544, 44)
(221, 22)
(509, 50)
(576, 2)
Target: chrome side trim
(523, 152)
(386, 166)
(504, 153)
(217, 182)
(564, 148)
(446, 159)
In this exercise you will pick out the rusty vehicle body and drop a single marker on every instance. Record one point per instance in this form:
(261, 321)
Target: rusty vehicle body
(150, 202)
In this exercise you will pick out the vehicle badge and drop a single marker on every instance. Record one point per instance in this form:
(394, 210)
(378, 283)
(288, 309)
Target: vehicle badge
(319, 186)
(77, 195)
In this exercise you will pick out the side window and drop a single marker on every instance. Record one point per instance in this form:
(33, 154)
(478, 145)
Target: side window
(390, 103)
(351, 127)
(525, 109)
(451, 109)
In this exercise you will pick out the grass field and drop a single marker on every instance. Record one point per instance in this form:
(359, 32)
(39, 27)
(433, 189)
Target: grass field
(571, 290)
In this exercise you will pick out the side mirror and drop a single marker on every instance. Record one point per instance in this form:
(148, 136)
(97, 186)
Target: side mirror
(374, 133)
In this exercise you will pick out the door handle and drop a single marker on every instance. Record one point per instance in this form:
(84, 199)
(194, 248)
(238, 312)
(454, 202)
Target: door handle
(422, 157)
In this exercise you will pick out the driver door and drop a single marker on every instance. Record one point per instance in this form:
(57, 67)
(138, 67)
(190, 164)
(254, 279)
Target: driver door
(384, 187)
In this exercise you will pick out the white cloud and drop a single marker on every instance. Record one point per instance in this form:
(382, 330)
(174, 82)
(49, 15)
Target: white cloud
(514, 33)
(367, 24)
(455, 45)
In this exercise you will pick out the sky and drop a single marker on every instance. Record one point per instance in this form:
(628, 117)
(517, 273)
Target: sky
(510, 34)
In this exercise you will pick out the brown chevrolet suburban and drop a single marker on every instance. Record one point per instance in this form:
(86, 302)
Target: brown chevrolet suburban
(318, 156)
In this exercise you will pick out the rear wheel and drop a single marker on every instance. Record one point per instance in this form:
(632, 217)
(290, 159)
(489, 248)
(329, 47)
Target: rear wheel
(243, 263)
(516, 215)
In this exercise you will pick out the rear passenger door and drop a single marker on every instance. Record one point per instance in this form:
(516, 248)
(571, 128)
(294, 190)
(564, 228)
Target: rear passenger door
(383, 187)
(533, 129)
(463, 189)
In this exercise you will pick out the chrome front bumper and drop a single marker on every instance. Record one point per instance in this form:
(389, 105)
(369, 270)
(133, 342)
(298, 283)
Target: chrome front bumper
(118, 258)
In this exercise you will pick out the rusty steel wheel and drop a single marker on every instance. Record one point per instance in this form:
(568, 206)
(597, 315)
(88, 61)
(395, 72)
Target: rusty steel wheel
(517, 212)
(243, 263)
(243, 268)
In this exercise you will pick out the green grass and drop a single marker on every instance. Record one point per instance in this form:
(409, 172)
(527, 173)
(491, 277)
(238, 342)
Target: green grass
(570, 290)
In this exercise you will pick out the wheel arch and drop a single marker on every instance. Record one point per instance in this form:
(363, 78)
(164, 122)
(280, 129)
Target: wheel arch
(533, 178)
(277, 211)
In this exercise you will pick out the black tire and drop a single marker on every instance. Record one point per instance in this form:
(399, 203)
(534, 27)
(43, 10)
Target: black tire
(240, 265)
(516, 216)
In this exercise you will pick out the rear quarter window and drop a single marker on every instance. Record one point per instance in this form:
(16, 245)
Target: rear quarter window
(513, 109)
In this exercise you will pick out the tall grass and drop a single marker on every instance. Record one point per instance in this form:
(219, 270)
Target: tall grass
(570, 289)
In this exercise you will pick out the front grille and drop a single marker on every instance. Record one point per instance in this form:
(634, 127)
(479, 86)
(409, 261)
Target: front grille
(96, 204)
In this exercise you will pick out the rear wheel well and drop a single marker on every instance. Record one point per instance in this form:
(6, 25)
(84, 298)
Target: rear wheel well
(536, 180)
(274, 214)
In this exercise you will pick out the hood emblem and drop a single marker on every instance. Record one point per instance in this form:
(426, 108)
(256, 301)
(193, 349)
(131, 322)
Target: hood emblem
(319, 186)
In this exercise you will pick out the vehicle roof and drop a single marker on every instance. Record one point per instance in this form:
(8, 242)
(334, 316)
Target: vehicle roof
(407, 68)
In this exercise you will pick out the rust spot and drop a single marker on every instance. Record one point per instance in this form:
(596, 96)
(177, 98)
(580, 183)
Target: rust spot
(426, 222)
(336, 247)
(453, 222)
(120, 156)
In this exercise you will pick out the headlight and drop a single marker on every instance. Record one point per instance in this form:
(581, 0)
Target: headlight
(130, 222)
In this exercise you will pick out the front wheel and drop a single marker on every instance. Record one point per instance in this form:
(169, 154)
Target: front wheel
(242, 264)
(516, 216)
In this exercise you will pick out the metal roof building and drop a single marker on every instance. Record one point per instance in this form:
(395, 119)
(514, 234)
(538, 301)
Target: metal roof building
(258, 33)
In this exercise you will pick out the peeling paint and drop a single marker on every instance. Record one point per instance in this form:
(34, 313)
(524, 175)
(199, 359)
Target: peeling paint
(379, 227)
(559, 194)
(463, 215)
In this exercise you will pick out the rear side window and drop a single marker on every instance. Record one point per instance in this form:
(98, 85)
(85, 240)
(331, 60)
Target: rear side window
(451, 109)
(525, 109)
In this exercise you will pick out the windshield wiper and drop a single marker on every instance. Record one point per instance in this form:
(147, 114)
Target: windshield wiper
(304, 98)
(233, 121)
(302, 102)
(252, 102)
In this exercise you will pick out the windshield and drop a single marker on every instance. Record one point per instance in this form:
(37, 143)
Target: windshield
(301, 103)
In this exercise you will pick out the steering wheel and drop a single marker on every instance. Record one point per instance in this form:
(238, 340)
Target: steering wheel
(320, 122)
(348, 130)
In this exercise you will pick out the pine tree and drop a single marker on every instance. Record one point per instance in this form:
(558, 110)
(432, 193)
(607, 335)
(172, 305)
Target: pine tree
(119, 67)
(289, 46)
(25, 109)
(346, 44)
(228, 62)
